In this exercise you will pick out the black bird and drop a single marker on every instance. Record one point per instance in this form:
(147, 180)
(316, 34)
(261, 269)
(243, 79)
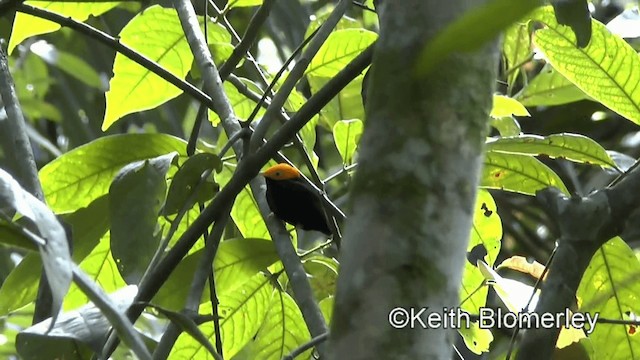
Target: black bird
(294, 201)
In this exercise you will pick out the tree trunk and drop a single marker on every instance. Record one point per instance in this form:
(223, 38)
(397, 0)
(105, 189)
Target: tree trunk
(412, 197)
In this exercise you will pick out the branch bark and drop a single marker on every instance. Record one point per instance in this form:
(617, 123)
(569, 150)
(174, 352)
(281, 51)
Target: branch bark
(585, 223)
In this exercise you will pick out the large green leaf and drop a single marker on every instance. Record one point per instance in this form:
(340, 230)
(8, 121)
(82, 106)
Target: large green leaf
(157, 34)
(283, 330)
(518, 173)
(572, 147)
(606, 69)
(339, 49)
(236, 262)
(83, 174)
(610, 288)
(549, 88)
(242, 314)
(25, 26)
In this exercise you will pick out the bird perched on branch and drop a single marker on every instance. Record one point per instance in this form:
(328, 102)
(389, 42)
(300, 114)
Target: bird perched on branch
(294, 201)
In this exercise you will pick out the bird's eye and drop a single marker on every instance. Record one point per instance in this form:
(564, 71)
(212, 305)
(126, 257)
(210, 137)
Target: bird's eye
(277, 174)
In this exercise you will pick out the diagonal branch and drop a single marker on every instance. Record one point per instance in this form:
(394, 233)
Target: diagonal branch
(586, 223)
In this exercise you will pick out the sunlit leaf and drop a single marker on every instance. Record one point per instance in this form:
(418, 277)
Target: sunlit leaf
(605, 69)
(25, 26)
(572, 147)
(85, 173)
(610, 288)
(549, 88)
(518, 173)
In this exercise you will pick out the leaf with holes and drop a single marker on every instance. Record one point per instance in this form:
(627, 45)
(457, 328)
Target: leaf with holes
(606, 69)
(518, 173)
(610, 288)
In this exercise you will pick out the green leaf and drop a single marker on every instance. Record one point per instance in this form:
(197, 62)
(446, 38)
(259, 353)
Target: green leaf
(341, 47)
(187, 180)
(604, 70)
(471, 31)
(487, 233)
(345, 22)
(506, 126)
(518, 173)
(346, 135)
(609, 287)
(157, 34)
(323, 274)
(236, 262)
(242, 105)
(346, 105)
(283, 330)
(25, 26)
(136, 197)
(21, 286)
(242, 314)
(549, 88)
(243, 3)
(516, 48)
(326, 307)
(100, 266)
(574, 147)
(84, 174)
(505, 106)
(88, 225)
(245, 212)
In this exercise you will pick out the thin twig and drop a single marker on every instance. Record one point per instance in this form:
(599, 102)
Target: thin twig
(248, 38)
(306, 346)
(297, 72)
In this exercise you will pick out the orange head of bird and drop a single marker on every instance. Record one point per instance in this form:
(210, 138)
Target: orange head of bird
(281, 172)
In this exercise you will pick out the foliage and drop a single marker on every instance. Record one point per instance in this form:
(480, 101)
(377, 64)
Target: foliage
(117, 170)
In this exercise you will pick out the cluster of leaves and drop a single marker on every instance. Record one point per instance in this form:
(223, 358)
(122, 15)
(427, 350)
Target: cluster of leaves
(128, 197)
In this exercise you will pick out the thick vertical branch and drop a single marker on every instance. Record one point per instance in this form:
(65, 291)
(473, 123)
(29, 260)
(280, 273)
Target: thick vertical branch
(413, 194)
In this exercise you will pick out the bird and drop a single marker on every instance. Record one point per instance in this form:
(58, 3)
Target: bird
(294, 201)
